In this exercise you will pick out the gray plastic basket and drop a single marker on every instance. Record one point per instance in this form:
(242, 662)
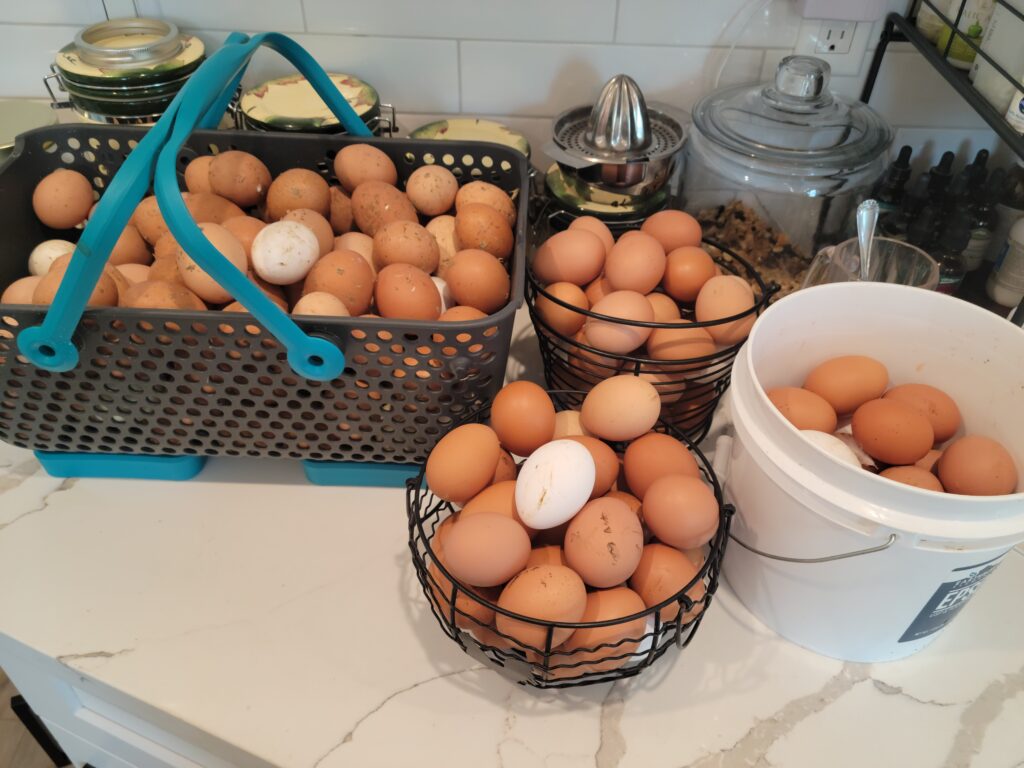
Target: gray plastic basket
(168, 383)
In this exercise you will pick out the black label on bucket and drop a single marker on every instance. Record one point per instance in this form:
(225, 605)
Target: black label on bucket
(948, 599)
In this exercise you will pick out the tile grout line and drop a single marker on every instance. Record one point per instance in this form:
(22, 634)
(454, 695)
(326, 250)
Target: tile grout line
(302, 10)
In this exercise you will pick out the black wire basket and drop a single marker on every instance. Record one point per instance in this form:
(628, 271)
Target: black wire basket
(465, 614)
(689, 389)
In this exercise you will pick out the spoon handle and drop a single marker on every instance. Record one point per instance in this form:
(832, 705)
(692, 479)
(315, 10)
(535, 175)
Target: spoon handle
(867, 219)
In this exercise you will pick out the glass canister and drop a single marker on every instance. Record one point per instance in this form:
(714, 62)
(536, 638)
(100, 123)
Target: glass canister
(783, 163)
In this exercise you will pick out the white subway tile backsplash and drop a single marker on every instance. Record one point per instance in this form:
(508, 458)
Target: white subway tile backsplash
(541, 80)
(702, 23)
(273, 16)
(533, 20)
(79, 12)
(910, 93)
(33, 48)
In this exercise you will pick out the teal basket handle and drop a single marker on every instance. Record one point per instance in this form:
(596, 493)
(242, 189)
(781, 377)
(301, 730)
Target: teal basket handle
(200, 102)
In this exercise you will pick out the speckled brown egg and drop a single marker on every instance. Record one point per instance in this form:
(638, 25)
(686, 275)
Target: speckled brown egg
(443, 230)
(487, 194)
(345, 275)
(804, 409)
(197, 174)
(574, 256)
(240, 177)
(405, 242)
(915, 476)
(208, 207)
(21, 290)
(103, 295)
(340, 212)
(407, 292)
(156, 294)
(432, 188)
(462, 463)
(297, 188)
(523, 417)
(375, 204)
(358, 242)
(130, 248)
(166, 271)
(245, 229)
(317, 224)
(480, 226)
(62, 199)
(936, 405)
(977, 466)
(200, 282)
(604, 543)
(477, 279)
(550, 593)
(134, 273)
(892, 432)
(356, 164)
(149, 221)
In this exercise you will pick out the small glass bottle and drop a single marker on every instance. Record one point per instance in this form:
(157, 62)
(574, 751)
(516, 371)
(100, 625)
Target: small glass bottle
(948, 249)
(983, 219)
(889, 190)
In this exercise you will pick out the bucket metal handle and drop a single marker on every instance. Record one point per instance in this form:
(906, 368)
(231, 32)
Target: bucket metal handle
(827, 559)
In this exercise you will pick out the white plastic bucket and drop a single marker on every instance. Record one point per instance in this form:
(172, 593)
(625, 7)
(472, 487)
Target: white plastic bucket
(794, 500)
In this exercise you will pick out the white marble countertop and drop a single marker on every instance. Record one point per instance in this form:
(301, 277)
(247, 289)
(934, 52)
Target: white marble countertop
(285, 619)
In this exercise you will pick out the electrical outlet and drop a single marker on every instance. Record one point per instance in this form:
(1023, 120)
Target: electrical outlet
(835, 37)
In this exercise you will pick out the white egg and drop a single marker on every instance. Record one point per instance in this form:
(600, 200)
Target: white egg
(47, 252)
(554, 483)
(445, 291)
(832, 445)
(845, 434)
(284, 252)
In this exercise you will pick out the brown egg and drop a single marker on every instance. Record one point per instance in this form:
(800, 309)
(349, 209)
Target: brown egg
(443, 230)
(573, 256)
(21, 290)
(604, 543)
(848, 382)
(631, 501)
(681, 511)
(977, 466)
(567, 424)
(615, 336)
(166, 271)
(486, 549)
(550, 593)
(654, 456)
(620, 408)
(687, 270)
(935, 404)
(606, 463)
(166, 248)
(359, 163)
(673, 229)
(197, 174)
(156, 294)
(598, 289)
(591, 363)
(462, 463)
(617, 641)
(340, 212)
(345, 275)
(915, 476)
(498, 498)
(478, 279)
(245, 229)
(240, 177)
(637, 264)
(149, 221)
(929, 460)
(551, 554)
(276, 293)
(662, 573)
(674, 344)
(130, 248)
(297, 188)
(461, 314)
(103, 295)
(469, 612)
(201, 283)
(480, 226)
(670, 386)
(804, 409)
(405, 242)
(523, 417)
(726, 296)
(432, 188)
(892, 432)
(487, 194)
(358, 242)
(62, 199)
(207, 207)
(598, 227)
(316, 223)
(120, 281)
(506, 469)
(665, 308)
(550, 536)
(320, 303)
(562, 319)
(375, 204)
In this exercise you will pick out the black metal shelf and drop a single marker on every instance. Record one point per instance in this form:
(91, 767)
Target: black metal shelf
(899, 28)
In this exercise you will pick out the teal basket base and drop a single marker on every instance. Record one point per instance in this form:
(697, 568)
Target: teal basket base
(353, 473)
(125, 467)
